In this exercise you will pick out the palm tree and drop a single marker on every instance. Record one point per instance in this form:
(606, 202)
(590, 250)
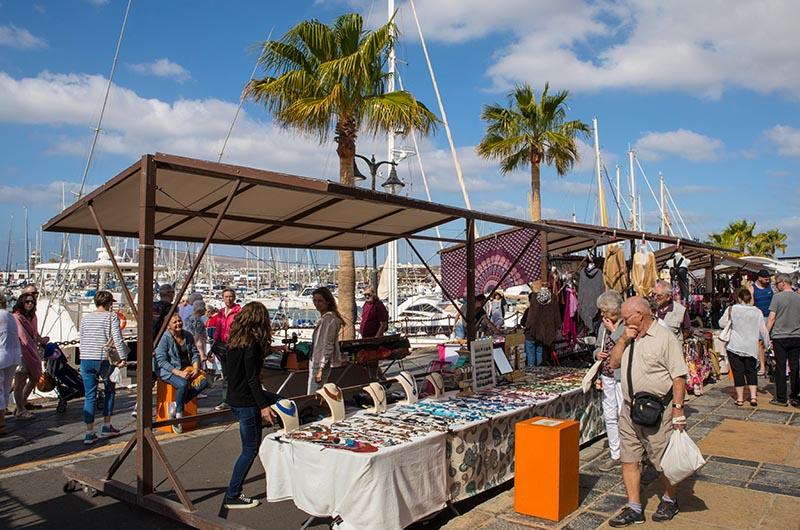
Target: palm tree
(768, 243)
(527, 132)
(738, 235)
(323, 79)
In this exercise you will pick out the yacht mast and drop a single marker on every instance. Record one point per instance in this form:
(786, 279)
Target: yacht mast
(601, 194)
(618, 196)
(632, 190)
(391, 156)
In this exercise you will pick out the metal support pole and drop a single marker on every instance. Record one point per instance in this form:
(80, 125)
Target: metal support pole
(471, 311)
(144, 365)
(114, 263)
(435, 279)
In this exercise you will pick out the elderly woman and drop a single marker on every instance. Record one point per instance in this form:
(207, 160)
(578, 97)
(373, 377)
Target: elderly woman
(178, 363)
(747, 329)
(610, 304)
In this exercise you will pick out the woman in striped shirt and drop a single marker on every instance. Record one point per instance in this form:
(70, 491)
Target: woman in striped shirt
(99, 329)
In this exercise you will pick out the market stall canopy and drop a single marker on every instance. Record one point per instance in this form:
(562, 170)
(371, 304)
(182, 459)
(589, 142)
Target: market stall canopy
(268, 208)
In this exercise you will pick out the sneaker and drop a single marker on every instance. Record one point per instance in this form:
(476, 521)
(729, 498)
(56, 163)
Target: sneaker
(89, 438)
(795, 403)
(107, 431)
(626, 517)
(240, 503)
(177, 428)
(778, 403)
(609, 465)
(666, 511)
(202, 395)
(222, 406)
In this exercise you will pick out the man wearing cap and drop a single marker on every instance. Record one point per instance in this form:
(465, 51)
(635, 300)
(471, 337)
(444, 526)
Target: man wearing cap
(784, 330)
(762, 293)
(651, 360)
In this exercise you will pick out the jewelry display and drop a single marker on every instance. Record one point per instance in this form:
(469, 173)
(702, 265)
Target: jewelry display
(409, 385)
(378, 395)
(287, 410)
(332, 395)
(435, 379)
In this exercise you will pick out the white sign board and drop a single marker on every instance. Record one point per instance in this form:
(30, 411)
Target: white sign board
(482, 359)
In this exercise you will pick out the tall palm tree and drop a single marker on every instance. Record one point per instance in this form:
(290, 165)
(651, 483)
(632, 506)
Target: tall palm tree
(528, 132)
(768, 243)
(738, 235)
(323, 79)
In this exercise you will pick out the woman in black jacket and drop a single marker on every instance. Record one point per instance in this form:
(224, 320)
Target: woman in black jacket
(248, 344)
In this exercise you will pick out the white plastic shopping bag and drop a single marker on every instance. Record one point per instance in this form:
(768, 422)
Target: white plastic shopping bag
(590, 376)
(682, 457)
(116, 376)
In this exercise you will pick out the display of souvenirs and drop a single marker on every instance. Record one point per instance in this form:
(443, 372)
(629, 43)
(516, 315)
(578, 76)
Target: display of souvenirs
(369, 432)
(698, 360)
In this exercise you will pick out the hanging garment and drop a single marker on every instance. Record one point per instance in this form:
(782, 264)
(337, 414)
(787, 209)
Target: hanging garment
(543, 321)
(569, 327)
(590, 286)
(644, 273)
(698, 361)
(615, 272)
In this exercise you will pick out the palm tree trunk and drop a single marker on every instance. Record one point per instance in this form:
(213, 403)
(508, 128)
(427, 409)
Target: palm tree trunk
(346, 149)
(536, 185)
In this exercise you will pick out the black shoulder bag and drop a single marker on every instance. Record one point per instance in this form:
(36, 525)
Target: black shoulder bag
(646, 408)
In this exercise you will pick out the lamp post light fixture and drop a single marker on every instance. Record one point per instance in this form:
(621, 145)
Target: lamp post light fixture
(373, 171)
(393, 184)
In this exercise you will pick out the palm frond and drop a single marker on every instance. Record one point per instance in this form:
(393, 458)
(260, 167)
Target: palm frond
(394, 110)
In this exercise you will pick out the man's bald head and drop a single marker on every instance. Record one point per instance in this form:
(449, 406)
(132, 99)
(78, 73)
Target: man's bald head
(637, 303)
(637, 314)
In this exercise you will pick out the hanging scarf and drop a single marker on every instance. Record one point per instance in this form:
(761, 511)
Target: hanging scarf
(29, 340)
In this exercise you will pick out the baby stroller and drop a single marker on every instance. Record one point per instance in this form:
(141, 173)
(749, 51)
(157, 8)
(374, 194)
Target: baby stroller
(69, 384)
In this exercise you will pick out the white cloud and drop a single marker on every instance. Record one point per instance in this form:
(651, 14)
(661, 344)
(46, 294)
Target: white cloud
(568, 187)
(98, 2)
(682, 143)
(786, 139)
(163, 68)
(39, 194)
(20, 38)
(653, 45)
(505, 208)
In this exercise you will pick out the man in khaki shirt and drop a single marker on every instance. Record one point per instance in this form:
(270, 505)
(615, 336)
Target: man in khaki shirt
(658, 367)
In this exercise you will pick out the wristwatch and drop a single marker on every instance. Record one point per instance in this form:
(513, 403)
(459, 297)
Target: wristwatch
(677, 406)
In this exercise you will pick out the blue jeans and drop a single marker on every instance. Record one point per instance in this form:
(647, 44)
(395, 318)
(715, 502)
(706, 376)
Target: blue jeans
(184, 392)
(91, 371)
(534, 353)
(250, 432)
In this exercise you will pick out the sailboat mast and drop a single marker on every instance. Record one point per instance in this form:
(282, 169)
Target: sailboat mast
(601, 195)
(618, 199)
(632, 189)
(27, 248)
(393, 245)
(663, 227)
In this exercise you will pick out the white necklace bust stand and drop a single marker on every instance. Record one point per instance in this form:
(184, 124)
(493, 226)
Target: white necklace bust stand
(287, 410)
(435, 379)
(378, 395)
(409, 385)
(333, 396)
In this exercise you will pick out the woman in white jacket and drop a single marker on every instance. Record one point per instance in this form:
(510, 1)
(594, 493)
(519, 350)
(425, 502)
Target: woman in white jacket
(325, 352)
(747, 328)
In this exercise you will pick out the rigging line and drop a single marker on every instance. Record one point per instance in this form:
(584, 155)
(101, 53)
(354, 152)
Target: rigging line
(105, 101)
(653, 193)
(619, 208)
(588, 197)
(669, 196)
(441, 110)
(421, 166)
(241, 100)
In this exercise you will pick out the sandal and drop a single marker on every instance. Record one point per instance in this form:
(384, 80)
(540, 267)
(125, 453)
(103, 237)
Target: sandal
(25, 415)
(739, 402)
(753, 402)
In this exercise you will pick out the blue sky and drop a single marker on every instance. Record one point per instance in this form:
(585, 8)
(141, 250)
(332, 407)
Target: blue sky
(710, 100)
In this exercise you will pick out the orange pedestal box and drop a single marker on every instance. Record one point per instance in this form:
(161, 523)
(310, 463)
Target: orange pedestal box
(546, 457)
(165, 393)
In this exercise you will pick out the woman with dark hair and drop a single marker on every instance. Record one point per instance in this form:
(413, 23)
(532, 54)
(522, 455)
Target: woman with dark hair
(100, 330)
(747, 328)
(178, 363)
(325, 352)
(248, 345)
(30, 369)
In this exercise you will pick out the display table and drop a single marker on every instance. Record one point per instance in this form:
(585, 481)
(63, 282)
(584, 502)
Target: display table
(385, 471)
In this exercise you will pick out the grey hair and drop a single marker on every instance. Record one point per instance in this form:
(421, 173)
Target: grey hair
(663, 285)
(198, 307)
(610, 302)
(786, 278)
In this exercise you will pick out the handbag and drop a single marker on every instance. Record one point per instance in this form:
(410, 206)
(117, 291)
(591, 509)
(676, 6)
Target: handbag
(110, 348)
(725, 334)
(646, 408)
(46, 382)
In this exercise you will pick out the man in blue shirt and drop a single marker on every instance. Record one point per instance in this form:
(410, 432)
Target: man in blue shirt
(762, 293)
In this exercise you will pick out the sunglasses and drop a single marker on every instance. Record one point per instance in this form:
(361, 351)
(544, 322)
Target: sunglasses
(31, 301)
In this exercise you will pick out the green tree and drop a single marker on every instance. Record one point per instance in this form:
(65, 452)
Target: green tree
(322, 79)
(768, 243)
(528, 132)
(738, 235)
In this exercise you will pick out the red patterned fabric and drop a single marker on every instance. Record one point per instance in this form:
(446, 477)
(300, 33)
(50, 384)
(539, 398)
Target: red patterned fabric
(493, 257)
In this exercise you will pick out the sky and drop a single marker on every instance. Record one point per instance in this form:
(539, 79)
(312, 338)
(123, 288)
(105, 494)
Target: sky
(706, 93)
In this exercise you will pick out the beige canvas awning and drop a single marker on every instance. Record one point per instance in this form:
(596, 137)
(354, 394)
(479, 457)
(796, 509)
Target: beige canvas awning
(268, 209)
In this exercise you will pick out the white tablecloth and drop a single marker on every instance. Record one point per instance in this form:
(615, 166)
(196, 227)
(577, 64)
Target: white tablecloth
(388, 489)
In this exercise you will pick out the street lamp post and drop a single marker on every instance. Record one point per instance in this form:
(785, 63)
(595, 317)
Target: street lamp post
(373, 171)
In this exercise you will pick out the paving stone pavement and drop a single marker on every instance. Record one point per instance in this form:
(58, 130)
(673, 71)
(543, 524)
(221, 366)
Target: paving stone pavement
(704, 498)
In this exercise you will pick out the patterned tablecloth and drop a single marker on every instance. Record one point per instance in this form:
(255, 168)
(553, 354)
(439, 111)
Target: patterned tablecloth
(460, 445)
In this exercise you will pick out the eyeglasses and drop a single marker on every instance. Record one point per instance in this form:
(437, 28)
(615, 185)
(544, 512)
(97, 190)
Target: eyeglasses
(29, 302)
